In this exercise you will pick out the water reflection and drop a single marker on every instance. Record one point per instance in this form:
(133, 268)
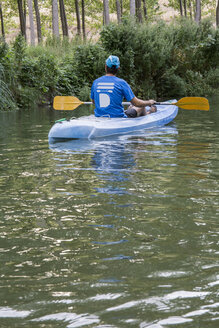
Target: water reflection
(84, 145)
(130, 241)
(115, 161)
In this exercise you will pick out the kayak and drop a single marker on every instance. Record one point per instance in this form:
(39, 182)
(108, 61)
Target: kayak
(89, 127)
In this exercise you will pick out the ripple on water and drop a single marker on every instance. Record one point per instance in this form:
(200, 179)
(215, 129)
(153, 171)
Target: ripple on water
(7, 312)
(73, 319)
(118, 232)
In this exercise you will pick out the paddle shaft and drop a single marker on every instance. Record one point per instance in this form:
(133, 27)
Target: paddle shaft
(160, 103)
(128, 103)
(182, 103)
(71, 102)
(91, 103)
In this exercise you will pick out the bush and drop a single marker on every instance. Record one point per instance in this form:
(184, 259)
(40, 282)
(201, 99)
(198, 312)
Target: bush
(68, 81)
(6, 99)
(89, 61)
(158, 60)
(165, 60)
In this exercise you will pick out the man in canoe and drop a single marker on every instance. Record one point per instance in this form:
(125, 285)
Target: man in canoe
(108, 92)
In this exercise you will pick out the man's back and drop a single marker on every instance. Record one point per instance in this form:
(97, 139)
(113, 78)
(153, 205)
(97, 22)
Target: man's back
(108, 92)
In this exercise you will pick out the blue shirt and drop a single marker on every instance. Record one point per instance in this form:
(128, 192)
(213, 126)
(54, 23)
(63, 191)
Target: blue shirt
(108, 93)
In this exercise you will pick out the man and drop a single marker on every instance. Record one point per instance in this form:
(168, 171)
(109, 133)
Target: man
(108, 91)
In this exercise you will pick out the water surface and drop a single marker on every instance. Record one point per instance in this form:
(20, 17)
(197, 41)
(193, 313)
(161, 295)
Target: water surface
(114, 232)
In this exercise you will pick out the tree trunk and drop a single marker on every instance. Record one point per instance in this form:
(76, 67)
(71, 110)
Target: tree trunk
(78, 17)
(190, 8)
(32, 31)
(138, 11)
(2, 21)
(132, 7)
(217, 14)
(25, 15)
(106, 12)
(118, 10)
(181, 7)
(185, 8)
(38, 22)
(22, 18)
(145, 9)
(55, 18)
(198, 11)
(63, 18)
(83, 19)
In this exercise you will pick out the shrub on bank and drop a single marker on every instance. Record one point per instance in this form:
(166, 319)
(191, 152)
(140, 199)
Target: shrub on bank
(165, 60)
(159, 60)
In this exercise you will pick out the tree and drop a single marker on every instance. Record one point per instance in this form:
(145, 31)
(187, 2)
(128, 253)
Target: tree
(185, 8)
(32, 32)
(132, 7)
(118, 11)
(22, 18)
(181, 7)
(138, 11)
(38, 22)
(106, 12)
(145, 9)
(78, 17)
(55, 18)
(217, 14)
(190, 8)
(121, 5)
(83, 18)
(2, 21)
(198, 11)
(63, 18)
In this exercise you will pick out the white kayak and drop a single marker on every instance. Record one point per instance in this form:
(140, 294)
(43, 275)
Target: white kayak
(89, 127)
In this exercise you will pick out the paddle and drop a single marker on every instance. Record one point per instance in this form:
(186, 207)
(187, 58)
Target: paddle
(70, 103)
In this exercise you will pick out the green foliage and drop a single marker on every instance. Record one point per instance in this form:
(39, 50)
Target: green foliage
(196, 84)
(207, 5)
(19, 49)
(3, 48)
(118, 40)
(6, 99)
(89, 59)
(172, 84)
(68, 81)
(159, 60)
(165, 60)
(84, 93)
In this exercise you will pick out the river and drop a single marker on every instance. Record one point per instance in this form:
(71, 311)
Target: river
(115, 232)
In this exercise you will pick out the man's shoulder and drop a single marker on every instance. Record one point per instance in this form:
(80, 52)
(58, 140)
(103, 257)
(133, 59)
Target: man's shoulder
(99, 78)
(121, 81)
(114, 79)
(124, 83)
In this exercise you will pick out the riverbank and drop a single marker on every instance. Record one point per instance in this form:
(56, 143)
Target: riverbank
(159, 60)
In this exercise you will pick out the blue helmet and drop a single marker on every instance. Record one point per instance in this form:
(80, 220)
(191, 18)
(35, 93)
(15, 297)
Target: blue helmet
(113, 61)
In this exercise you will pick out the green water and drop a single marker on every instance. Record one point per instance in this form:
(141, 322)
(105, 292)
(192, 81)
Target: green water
(120, 232)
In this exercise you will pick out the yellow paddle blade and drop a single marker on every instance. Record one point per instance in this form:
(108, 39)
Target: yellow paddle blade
(198, 103)
(66, 103)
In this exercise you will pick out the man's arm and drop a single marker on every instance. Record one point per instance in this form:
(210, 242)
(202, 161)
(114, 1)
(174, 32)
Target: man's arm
(142, 103)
